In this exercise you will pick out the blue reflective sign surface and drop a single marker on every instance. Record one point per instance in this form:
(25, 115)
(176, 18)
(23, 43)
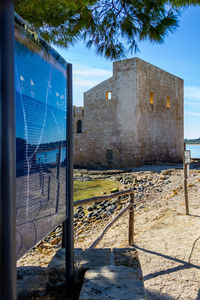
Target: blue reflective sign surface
(40, 78)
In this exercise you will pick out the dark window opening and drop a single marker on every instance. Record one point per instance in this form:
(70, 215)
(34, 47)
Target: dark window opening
(109, 156)
(79, 126)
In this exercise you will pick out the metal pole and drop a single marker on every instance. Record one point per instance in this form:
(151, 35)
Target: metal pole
(7, 154)
(49, 188)
(69, 230)
(63, 235)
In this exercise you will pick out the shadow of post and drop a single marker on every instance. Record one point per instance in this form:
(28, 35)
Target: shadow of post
(184, 264)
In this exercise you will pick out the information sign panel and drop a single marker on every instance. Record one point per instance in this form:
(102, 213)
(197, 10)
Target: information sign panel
(41, 154)
(187, 156)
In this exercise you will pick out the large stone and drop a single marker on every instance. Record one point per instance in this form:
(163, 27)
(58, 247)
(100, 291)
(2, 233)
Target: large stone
(127, 257)
(112, 274)
(123, 280)
(112, 282)
(31, 282)
(90, 208)
(56, 268)
(93, 258)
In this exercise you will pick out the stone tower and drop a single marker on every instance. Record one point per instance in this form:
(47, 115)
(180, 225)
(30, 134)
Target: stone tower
(136, 116)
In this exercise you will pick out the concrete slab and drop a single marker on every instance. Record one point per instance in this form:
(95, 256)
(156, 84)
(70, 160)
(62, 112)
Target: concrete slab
(56, 268)
(93, 258)
(112, 282)
(31, 282)
(127, 257)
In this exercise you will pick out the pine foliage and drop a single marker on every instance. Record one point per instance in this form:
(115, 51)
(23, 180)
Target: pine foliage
(112, 27)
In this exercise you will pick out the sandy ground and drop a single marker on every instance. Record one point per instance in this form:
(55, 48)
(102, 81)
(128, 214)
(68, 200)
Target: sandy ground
(168, 241)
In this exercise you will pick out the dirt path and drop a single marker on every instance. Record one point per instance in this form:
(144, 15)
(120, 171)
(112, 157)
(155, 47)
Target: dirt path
(169, 247)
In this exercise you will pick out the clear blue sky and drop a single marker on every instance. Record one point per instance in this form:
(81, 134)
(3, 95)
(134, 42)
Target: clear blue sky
(179, 55)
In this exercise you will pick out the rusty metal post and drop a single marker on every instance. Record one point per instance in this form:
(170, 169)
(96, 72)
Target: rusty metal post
(131, 220)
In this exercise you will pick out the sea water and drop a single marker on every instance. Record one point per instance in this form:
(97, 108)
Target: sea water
(50, 156)
(195, 150)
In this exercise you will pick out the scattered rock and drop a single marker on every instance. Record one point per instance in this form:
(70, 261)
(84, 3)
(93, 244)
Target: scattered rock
(112, 207)
(167, 172)
(55, 241)
(95, 213)
(90, 214)
(114, 190)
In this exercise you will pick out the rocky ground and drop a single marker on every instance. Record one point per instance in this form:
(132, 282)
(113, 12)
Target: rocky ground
(168, 241)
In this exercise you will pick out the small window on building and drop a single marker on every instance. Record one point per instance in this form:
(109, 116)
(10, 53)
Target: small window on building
(168, 102)
(108, 95)
(109, 156)
(79, 126)
(151, 100)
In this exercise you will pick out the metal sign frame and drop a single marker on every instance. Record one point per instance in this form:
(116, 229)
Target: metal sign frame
(8, 163)
(68, 224)
(7, 153)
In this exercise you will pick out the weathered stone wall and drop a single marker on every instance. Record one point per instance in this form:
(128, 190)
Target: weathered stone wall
(99, 126)
(78, 114)
(125, 78)
(79, 138)
(160, 128)
(126, 130)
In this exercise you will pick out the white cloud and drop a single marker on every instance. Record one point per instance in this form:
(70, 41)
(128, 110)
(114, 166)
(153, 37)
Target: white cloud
(86, 78)
(192, 92)
(93, 72)
(87, 83)
(89, 77)
(193, 114)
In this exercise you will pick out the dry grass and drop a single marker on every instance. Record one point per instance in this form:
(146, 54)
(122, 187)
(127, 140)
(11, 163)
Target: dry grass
(93, 188)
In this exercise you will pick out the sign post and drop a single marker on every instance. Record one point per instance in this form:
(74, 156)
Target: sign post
(69, 233)
(7, 155)
(186, 166)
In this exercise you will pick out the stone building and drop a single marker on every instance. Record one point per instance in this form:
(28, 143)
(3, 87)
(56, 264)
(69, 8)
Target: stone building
(136, 116)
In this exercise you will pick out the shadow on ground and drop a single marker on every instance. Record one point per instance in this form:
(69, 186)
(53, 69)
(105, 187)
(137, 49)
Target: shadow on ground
(151, 295)
(184, 264)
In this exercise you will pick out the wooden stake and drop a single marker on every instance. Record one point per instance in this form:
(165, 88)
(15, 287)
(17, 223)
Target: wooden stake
(131, 220)
(186, 189)
(185, 182)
